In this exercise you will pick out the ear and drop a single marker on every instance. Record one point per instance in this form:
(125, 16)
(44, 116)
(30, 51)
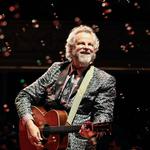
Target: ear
(72, 47)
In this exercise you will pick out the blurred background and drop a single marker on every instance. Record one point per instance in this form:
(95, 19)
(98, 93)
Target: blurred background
(33, 35)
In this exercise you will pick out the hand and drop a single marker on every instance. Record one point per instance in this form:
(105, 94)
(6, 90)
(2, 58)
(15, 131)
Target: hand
(34, 135)
(86, 130)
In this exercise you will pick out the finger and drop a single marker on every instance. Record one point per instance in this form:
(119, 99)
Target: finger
(39, 136)
(82, 127)
(38, 144)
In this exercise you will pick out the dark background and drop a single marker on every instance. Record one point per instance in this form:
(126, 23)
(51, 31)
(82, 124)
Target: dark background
(23, 57)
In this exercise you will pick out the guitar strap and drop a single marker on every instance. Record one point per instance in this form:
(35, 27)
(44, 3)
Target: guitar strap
(80, 94)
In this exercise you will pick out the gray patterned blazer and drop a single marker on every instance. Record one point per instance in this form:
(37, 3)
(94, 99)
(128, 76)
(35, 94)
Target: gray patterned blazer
(97, 103)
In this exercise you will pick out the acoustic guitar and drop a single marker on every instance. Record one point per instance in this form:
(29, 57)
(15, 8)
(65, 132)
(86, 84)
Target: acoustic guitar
(54, 130)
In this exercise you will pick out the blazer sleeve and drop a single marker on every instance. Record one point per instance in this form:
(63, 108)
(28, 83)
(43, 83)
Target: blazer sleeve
(104, 102)
(34, 92)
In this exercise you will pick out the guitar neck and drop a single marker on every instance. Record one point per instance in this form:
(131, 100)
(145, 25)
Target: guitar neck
(47, 130)
(60, 129)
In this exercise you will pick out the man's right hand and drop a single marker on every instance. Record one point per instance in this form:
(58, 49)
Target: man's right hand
(34, 135)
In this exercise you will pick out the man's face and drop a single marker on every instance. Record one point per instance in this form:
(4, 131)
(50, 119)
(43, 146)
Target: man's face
(83, 53)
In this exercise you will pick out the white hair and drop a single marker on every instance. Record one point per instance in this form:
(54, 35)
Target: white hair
(70, 42)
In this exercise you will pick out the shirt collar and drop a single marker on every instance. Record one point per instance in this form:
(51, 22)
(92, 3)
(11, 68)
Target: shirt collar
(73, 70)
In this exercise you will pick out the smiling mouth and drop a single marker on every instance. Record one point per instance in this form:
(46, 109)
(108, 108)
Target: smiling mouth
(85, 52)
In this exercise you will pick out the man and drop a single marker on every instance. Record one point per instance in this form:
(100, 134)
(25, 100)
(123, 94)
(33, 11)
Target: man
(58, 86)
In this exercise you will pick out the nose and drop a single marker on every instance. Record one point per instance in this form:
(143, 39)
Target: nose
(86, 46)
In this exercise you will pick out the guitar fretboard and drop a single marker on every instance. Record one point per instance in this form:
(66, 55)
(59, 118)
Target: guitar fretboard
(47, 130)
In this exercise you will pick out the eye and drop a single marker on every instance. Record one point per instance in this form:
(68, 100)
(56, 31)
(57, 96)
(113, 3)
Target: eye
(90, 44)
(80, 43)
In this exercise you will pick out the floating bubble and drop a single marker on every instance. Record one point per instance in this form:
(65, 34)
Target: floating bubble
(22, 81)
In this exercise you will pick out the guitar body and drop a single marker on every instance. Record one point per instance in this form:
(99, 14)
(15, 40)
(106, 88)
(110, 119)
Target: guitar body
(54, 141)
